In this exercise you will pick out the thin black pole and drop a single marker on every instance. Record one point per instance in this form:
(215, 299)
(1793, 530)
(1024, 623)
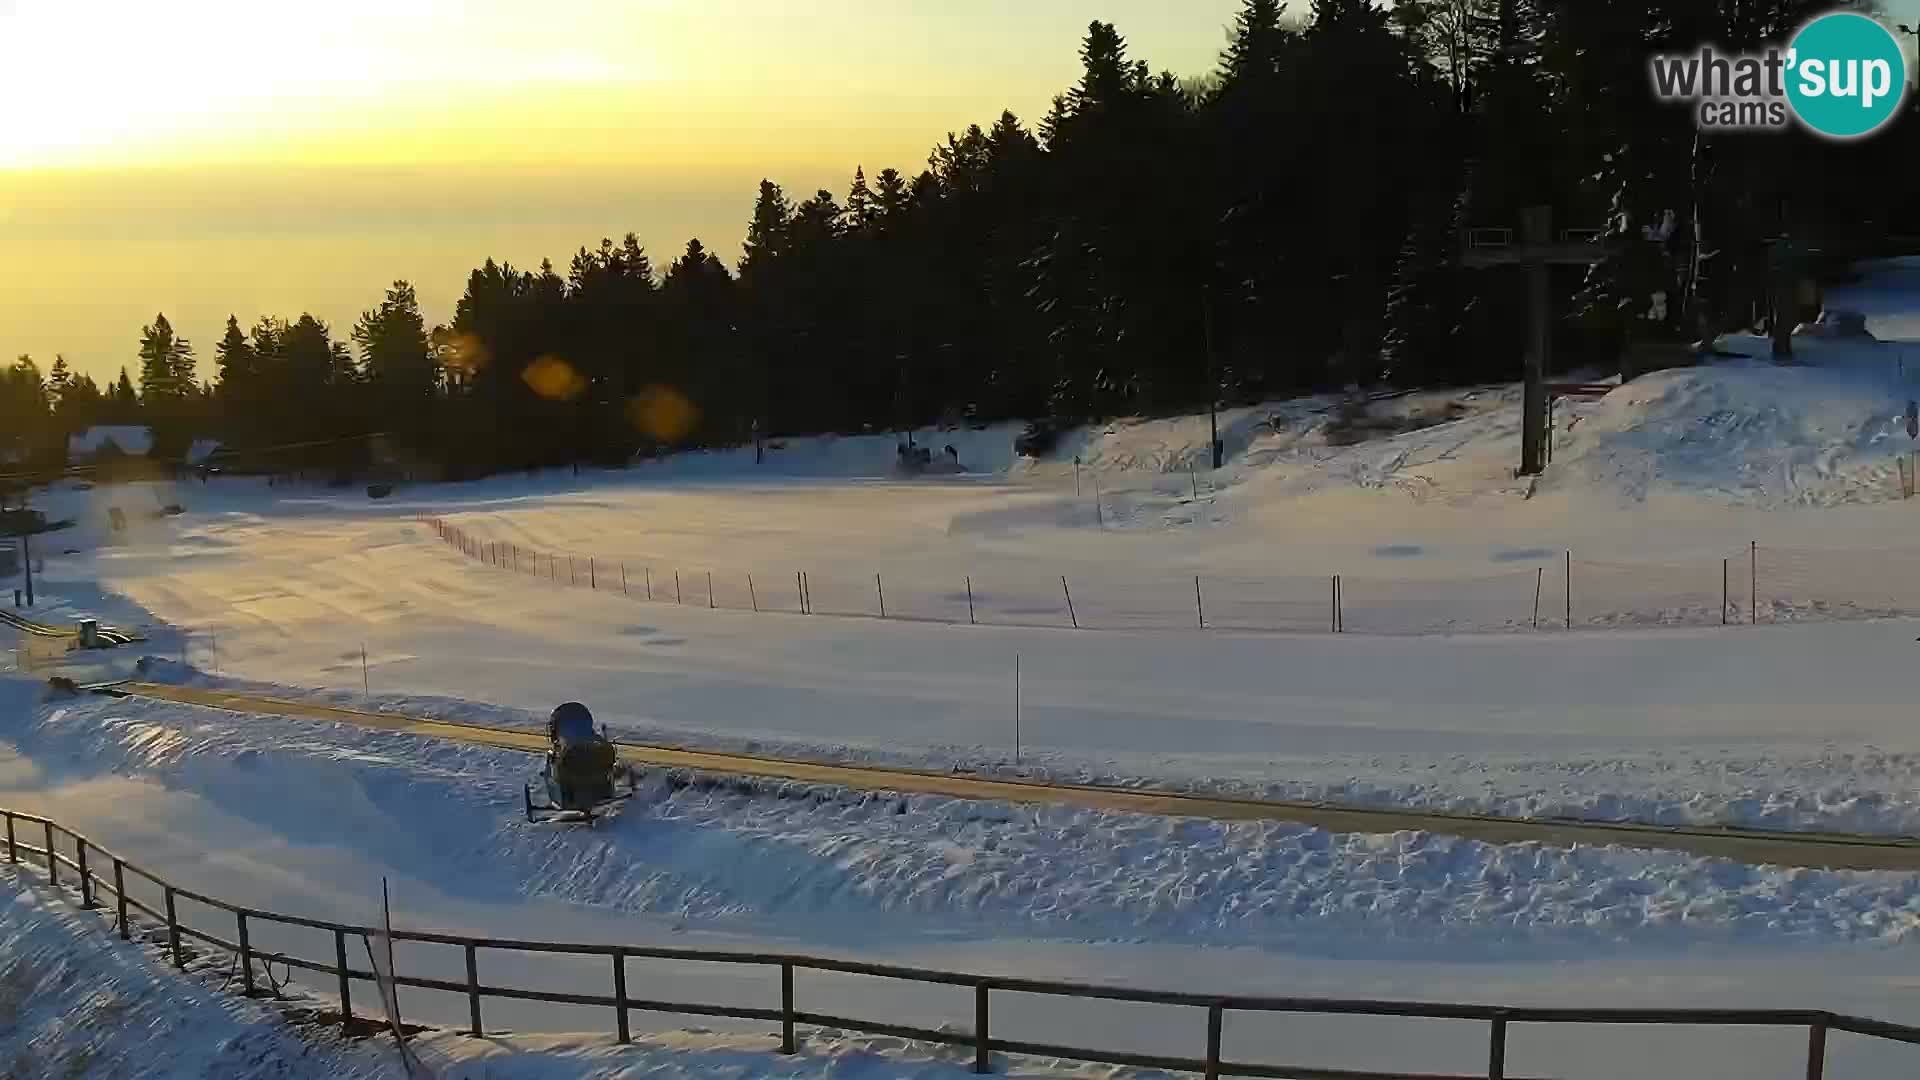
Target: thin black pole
(970, 619)
(346, 990)
(1199, 608)
(982, 1040)
(473, 989)
(710, 603)
(1539, 578)
(787, 1045)
(1016, 708)
(752, 597)
(1071, 614)
(1569, 589)
(881, 592)
(1723, 592)
(1753, 582)
(620, 998)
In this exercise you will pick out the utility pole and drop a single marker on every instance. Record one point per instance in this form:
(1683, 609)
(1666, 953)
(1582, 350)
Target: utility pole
(1213, 380)
(1536, 254)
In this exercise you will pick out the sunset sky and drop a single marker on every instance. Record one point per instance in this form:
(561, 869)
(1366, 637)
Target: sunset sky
(202, 157)
(213, 156)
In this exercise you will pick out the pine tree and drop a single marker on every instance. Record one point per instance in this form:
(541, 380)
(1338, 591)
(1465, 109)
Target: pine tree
(767, 231)
(861, 210)
(235, 363)
(1254, 56)
(166, 363)
(58, 376)
(394, 348)
(890, 197)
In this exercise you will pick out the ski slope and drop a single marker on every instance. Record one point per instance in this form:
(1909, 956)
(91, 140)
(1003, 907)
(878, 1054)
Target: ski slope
(1795, 725)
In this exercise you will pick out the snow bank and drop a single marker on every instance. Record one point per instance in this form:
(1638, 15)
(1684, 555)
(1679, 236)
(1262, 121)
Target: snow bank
(77, 1003)
(846, 866)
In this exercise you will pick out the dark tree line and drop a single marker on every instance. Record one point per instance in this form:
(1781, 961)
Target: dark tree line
(1287, 222)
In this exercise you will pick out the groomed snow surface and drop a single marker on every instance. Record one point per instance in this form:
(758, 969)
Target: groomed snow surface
(1804, 721)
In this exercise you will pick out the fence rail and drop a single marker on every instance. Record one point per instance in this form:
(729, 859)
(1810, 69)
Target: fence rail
(89, 857)
(1753, 584)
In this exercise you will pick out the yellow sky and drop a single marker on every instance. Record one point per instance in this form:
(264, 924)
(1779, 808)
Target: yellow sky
(201, 157)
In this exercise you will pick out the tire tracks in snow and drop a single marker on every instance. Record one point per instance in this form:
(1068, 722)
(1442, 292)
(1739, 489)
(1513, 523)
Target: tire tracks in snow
(1834, 851)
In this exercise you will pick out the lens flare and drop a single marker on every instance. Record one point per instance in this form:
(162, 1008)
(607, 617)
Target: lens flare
(463, 353)
(554, 379)
(662, 413)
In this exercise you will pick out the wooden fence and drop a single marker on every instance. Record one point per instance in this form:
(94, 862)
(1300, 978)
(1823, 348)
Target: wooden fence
(99, 871)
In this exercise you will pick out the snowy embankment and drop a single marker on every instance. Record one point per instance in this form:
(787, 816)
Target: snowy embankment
(846, 866)
(1814, 788)
(77, 1003)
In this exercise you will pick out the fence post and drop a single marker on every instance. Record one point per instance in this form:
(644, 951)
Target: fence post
(1497, 1050)
(1071, 614)
(13, 846)
(1817, 1050)
(787, 1045)
(346, 990)
(86, 879)
(1213, 1041)
(882, 593)
(752, 596)
(1569, 589)
(246, 954)
(173, 930)
(970, 621)
(120, 895)
(473, 989)
(982, 1040)
(620, 998)
(53, 864)
(710, 604)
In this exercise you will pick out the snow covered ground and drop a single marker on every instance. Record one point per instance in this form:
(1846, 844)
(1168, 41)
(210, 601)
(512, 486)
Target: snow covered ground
(305, 818)
(1801, 723)
(79, 1004)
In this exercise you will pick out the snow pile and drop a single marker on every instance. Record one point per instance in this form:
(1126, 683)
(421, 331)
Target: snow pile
(75, 1002)
(846, 864)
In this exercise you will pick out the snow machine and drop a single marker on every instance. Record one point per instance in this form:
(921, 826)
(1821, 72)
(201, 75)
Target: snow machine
(582, 772)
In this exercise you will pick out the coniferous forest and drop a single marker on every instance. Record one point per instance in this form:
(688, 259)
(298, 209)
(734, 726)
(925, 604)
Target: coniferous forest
(1289, 221)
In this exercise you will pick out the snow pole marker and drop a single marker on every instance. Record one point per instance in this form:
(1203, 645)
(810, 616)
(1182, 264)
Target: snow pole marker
(366, 682)
(1539, 579)
(1071, 614)
(710, 603)
(677, 597)
(1199, 609)
(753, 597)
(880, 591)
(970, 620)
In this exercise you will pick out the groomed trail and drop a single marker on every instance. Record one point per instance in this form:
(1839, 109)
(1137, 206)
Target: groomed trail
(1839, 851)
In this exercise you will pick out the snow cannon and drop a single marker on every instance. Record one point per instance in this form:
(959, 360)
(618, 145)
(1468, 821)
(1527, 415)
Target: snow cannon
(582, 772)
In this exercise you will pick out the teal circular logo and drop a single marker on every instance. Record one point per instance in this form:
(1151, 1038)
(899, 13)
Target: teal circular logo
(1846, 75)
